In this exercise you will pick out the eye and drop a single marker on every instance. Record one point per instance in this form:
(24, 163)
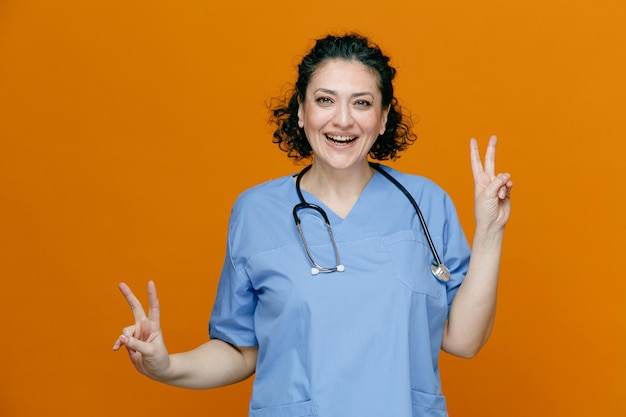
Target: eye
(362, 103)
(323, 100)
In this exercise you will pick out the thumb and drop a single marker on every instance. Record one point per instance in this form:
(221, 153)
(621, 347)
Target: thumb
(498, 185)
(136, 345)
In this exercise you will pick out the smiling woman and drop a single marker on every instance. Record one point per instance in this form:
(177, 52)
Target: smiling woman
(301, 333)
(128, 128)
(357, 50)
(342, 114)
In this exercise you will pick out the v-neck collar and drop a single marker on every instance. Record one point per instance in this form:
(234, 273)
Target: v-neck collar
(334, 218)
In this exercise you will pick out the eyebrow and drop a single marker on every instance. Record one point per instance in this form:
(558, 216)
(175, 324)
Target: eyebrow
(332, 92)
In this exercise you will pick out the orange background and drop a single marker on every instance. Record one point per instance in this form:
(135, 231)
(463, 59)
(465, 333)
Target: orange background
(128, 128)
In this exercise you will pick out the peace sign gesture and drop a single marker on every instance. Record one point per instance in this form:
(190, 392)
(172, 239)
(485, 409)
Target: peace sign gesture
(492, 203)
(144, 340)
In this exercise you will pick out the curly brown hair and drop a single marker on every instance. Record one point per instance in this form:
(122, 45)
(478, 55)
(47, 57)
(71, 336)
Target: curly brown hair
(291, 138)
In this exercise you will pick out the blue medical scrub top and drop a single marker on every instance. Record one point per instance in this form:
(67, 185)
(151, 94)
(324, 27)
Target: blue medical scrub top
(363, 342)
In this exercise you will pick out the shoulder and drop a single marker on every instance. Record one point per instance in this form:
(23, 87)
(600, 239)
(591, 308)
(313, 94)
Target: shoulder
(417, 185)
(433, 201)
(261, 216)
(263, 202)
(264, 193)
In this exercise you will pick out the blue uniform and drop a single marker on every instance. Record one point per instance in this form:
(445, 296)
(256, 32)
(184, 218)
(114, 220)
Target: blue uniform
(360, 343)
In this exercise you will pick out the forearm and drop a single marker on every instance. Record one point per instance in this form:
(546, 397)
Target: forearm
(210, 365)
(473, 310)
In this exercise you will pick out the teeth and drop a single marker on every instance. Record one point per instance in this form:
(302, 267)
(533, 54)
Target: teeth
(340, 139)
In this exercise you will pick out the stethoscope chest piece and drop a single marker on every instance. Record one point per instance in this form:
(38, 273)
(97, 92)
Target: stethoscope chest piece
(441, 272)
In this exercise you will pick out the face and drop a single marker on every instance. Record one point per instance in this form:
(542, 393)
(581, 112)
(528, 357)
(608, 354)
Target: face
(342, 113)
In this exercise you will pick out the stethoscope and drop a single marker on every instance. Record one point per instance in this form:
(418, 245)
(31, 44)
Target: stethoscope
(439, 270)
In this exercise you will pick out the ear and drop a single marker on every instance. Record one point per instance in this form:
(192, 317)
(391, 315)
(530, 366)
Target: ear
(383, 119)
(300, 114)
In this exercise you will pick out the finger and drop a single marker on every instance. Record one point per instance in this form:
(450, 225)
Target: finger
(133, 302)
(134, 345)
(128, 331)
(505, 191)
(499, 184)
(477, 165)
(490, 156)
(154, 313)
(121, 341)
(118, 343)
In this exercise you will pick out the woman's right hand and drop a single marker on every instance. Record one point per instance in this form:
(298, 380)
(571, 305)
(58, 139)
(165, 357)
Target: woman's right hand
(144, 340)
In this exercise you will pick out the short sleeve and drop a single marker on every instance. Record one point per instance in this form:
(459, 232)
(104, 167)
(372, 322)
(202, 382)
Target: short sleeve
(232, 319)
(456, 251)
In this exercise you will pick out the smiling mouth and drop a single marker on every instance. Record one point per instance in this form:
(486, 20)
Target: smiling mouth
(340, 140)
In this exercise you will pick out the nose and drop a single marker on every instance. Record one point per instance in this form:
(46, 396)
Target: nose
(343, 116)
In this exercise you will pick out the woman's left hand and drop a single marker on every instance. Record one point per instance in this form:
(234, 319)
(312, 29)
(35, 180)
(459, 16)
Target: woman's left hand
(473, 309)
(492, 203)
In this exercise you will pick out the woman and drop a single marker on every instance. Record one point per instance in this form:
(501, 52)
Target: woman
(345, 320)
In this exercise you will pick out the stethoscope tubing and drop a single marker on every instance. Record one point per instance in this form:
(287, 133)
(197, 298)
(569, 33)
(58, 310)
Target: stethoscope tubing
(408, 195)
(439, 270)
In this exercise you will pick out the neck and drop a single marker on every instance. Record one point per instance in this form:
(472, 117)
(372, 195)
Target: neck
(339, 189)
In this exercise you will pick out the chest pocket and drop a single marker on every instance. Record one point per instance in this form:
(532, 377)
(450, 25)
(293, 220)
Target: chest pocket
(411, 258)
(302, 409)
